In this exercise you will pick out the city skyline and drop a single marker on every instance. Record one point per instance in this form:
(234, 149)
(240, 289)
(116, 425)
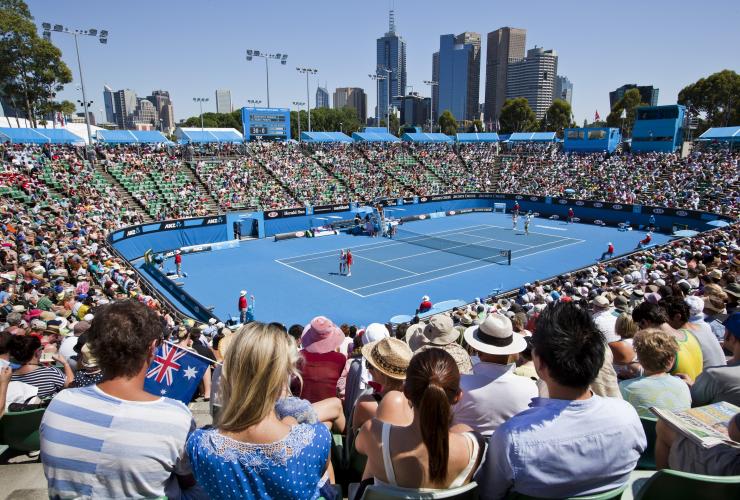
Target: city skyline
(596, 54)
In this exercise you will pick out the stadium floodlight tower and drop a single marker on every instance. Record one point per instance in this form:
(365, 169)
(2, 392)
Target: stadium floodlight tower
(378, 79)
(102, 36)
(254, 102)
(431, 84)
(200, 101)
(298, 105)
(308, 71)
(283, 58)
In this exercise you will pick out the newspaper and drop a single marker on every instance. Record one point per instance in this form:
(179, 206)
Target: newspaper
(705, 425)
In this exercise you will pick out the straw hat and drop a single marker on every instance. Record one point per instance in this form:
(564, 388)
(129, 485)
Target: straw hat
(495, 336)
(390, 356)
(441, 330)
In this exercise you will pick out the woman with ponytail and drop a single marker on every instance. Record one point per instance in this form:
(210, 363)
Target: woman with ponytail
(428, 453)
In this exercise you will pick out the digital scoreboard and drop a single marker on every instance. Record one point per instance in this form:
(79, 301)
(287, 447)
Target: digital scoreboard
(270, 124)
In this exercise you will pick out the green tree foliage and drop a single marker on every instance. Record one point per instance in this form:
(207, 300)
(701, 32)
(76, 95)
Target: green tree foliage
(31, 69)
(517, 116)
(629, 103)
(476, 126)
(395, 124)
(558, 117)
(217, 120)
(716, 97)
(447, 123)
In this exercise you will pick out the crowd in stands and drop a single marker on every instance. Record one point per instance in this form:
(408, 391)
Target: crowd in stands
(398, 161)
(540, 392)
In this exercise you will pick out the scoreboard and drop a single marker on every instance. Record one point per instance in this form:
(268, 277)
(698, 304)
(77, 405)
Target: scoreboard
(271, 124)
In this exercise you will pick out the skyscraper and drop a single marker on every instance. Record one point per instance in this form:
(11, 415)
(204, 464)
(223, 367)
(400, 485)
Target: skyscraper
(322, 97)
(459, 80)
(223, 101)
(648, 94)
(124, 106)
(110, 111)
(352, 97)
(505, 45)
(415, 110)
(145, 115)
(165, 113)
(534, 78)
(390, 55)
(563, 89)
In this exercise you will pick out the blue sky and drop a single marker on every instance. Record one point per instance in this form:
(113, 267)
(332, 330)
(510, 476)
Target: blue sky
(193, 47)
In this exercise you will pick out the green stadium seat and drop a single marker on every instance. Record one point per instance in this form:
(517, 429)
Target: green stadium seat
(647, 459)
(20, 430)
(669, 484)
(612, 494)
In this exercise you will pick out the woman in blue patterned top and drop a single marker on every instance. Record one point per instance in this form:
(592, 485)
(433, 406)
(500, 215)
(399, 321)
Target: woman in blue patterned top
(253, 452)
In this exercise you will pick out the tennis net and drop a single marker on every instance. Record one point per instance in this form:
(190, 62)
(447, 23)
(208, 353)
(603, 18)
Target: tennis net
(470, 250)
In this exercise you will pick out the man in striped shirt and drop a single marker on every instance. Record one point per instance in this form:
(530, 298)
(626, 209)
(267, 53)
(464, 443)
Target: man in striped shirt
(114, 440)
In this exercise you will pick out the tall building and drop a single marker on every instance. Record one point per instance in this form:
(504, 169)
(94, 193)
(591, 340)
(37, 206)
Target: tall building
(534, 78)
(435, 88)
(124, 106)
(110, 111)
(322, 97)
(505, 45)
(458, 78)
(352, 97)
(648, 94)
(223, 101)
(415, 110)
(165, 112)
(145, 115)
(563, 89)
(390, 55)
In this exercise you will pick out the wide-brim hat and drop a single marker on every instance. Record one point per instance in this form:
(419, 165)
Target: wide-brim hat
(243, 293)
(441, 330)
(390, 356)
(374, 332)
(321, 335)
(601, 302)
(495, 336)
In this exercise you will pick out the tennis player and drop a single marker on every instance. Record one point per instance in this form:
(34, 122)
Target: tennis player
(527, 221)
(178, 262)
(514, 220)
(342, 261)
(348, 257)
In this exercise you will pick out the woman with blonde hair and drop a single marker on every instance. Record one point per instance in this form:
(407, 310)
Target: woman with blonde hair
(252, 452)
(623, 349)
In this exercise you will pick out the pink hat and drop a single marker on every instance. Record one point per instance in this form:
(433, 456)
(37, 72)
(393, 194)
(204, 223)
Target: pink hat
(321, 336)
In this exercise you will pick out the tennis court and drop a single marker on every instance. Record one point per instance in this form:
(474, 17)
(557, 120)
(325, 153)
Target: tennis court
(390, 264)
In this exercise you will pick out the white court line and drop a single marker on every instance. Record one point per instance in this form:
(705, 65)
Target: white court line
(386, 264)
(551, 227)
(379, 244)
(532, 232)
(320, 279)
(463, 271)
(467, 263)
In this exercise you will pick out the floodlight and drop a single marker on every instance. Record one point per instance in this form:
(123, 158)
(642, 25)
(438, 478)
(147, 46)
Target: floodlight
(278, 55)
(104, 41)
(92, 32)
(283, 62)
(46, 26)
(249, 58)
(249, 52)
(257, 53)
(58, 27)
(285, 56)
(104, 33)
(47, 36)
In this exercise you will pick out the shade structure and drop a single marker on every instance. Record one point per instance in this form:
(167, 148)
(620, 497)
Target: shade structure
(721, 134)
(195, 135)
(475, 137)
(422, 137)
(325, 137)
(374, 137)
(533, 137)
(131, 137)
(40, 136)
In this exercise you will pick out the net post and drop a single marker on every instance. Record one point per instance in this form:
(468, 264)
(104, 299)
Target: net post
(509, 252)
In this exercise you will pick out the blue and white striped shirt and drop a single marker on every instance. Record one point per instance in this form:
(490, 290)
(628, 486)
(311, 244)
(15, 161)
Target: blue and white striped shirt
(94, 445)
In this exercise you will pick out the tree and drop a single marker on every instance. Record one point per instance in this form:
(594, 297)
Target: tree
(717, 97)
(557, 118)
(31, 69)
(517, 116)
(628, 103)
(476, 126)
(447, 123)
(395, 124)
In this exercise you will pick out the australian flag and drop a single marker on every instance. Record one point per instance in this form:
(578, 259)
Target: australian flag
(175, 373)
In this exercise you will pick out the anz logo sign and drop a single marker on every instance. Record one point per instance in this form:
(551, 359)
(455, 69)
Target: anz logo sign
(213, 220)
(132, 232)
(171, 225)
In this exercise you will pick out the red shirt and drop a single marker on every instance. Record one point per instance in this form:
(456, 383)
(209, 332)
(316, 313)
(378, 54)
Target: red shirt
(611, 249)
(242, 303)
(570, 212)
(178, 259)
(320, 373)
(646, 240)
(349, 259)
(425, 306)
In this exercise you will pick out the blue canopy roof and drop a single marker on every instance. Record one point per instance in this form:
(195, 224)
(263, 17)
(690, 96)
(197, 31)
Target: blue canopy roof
(325, 137)
(721, 134)
(131, 137)
(39, 136)
(474, 137)
(374, 137)
(424, 137)
(533, 137)
(208, 135)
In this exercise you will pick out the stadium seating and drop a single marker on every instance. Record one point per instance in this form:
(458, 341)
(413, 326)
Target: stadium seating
(669, 484)
(20, 430)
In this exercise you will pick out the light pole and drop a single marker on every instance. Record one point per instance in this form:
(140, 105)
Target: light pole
(308, 71)
(431, 84)
(388, 95)
(102, 37)
(254, 102)
(283, 58)
(200, 101)
(377, 79)
(298, 105)
(341, 128)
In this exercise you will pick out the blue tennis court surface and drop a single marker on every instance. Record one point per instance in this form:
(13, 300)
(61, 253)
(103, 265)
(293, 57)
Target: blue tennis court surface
(388, 265)
(293, 280)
